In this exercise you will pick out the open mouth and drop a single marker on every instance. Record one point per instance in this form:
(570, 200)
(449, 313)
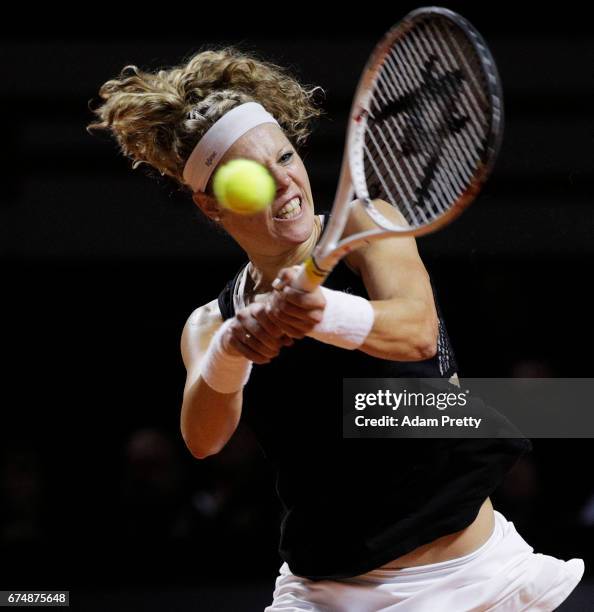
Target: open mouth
(290, 210)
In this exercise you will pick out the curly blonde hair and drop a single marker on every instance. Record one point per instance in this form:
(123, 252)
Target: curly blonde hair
(158, 117)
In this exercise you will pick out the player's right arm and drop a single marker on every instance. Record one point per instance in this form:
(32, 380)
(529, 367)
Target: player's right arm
(208, 417)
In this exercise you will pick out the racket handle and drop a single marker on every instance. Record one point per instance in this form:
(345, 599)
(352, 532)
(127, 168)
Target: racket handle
(311, 276)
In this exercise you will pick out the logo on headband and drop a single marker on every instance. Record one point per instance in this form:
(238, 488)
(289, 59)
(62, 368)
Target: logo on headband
(210, 159)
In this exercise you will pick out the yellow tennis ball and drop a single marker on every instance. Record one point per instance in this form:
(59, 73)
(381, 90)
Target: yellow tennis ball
(244, 186)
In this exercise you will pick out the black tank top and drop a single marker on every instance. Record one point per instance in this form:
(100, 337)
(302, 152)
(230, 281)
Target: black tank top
(351, 505)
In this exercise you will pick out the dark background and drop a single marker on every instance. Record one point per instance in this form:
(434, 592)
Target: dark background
(101, 266)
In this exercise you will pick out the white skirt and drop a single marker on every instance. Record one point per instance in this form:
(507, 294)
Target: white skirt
(503, 575)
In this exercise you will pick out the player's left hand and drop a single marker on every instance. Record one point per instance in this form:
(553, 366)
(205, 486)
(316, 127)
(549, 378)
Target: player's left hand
(296, 312)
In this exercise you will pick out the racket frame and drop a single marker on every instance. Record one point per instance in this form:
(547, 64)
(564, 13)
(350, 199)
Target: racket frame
(352, 182)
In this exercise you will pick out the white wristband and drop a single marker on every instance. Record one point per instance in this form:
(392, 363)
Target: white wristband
(347, 320)
(223, 372)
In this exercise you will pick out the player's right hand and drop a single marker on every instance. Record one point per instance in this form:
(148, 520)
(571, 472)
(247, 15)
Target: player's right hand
(254, 335)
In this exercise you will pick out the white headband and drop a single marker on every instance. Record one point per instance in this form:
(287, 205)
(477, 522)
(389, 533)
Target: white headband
(219, 138)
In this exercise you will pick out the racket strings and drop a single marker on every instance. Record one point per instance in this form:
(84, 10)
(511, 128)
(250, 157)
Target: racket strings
(435, 107)
(408, 174)
(428, 122)
(440, 40)
(431, 139)
(411, 174)
(403, 174)
(430, 107)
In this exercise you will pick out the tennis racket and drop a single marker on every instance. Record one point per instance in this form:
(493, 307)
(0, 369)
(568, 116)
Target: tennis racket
(424, 132)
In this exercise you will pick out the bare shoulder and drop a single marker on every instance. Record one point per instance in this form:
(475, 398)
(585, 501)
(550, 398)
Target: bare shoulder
(198, 331)
(358, 220)
(394, 252)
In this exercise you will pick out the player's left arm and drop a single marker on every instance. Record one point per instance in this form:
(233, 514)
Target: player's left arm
(405, 324)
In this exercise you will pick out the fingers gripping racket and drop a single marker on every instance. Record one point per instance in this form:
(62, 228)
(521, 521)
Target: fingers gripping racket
(423, 134)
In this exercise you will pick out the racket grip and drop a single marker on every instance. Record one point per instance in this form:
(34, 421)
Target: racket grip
(311, 276)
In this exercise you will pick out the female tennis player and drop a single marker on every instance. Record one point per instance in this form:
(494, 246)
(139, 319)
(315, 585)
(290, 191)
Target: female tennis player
(367, 525)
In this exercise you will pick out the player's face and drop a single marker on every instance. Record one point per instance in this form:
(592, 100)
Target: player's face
(289, 220)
